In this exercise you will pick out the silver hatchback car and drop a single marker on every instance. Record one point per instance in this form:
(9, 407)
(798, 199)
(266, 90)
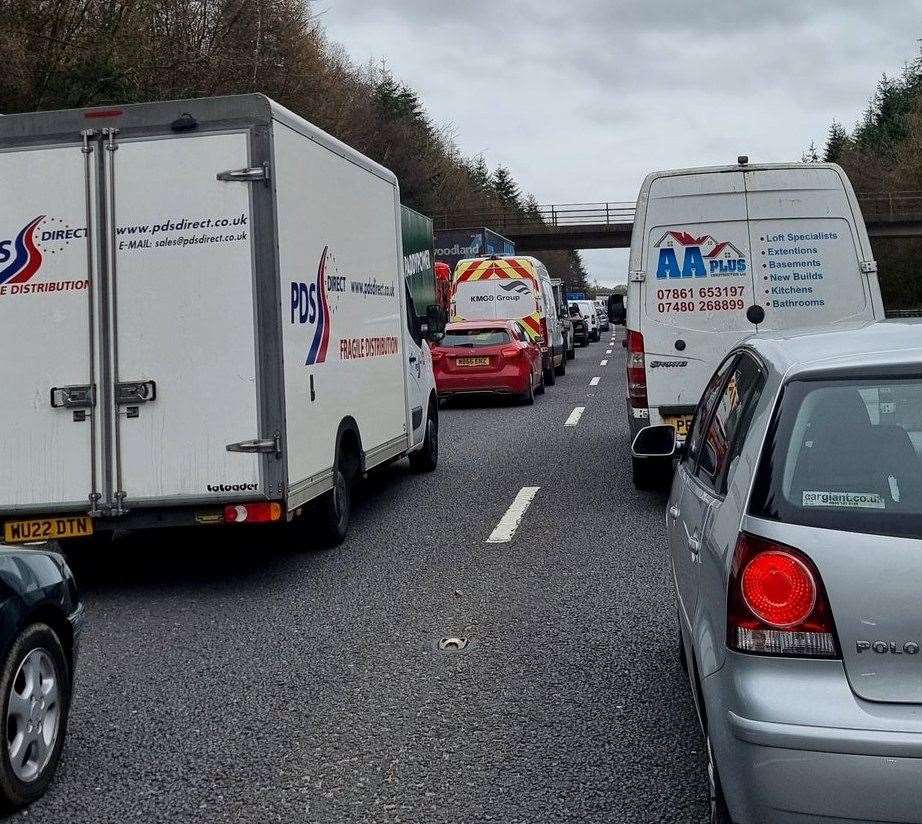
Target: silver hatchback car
(795, 531)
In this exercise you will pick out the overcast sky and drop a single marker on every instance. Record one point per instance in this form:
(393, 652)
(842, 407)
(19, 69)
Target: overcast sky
(580, 99)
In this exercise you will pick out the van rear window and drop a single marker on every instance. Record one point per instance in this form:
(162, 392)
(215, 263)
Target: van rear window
(473, 338)
(845, 455)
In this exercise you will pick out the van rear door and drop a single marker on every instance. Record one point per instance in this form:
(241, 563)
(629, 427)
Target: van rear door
(183, 342)
(47, 450)
(698, 285)
(806, 248)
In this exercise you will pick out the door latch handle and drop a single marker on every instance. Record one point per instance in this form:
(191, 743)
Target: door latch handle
(694, 545)
(135, 392)
(674, 512)
(73, 397)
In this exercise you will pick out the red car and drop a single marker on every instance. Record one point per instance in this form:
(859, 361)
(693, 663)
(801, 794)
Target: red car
(495, 356)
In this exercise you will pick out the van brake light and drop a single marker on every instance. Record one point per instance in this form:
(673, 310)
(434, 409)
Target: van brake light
(636, 371)
(258, 513)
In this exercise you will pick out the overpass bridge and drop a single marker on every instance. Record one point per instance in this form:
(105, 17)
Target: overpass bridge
(608, 225)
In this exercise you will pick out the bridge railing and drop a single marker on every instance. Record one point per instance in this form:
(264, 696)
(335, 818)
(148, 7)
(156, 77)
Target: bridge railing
(544, 218)
(890, 205)
(558, 217)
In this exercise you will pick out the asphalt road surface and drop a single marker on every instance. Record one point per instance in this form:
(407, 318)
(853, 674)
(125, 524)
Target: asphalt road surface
(253, 678)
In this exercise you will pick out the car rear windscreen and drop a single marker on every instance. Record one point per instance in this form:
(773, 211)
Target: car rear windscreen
(845, 454)
(473, 338)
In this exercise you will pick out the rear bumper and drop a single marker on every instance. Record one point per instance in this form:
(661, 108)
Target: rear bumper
(794, 745)
(509, 381)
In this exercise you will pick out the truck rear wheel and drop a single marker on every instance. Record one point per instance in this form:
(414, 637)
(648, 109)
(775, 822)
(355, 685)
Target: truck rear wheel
(550, 377)
(427, 458)
(335, 508)
(562, 369)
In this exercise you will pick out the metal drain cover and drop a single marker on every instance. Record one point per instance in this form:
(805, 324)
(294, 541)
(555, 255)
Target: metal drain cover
(452, 644)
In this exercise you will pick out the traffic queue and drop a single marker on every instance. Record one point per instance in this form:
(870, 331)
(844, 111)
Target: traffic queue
(512, 332)
(307, 363)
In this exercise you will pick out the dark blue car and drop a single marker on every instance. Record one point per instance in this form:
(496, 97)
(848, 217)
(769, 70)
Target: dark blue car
(41, 616)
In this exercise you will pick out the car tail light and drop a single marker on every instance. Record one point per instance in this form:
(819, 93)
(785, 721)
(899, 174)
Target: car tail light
(636, 371)
(544, 332)
(777, 604)
(437, 355)
(260, 513)
(511, 351)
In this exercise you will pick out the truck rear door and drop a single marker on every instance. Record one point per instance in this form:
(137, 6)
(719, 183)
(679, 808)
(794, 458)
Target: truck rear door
(183, 357)
(46, 258)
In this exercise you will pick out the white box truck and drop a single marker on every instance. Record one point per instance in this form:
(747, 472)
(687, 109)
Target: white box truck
(209, 311)
(720, 253)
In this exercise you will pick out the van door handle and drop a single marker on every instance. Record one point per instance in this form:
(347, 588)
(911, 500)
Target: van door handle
(412, 358)
(694, 546)
(674, 512)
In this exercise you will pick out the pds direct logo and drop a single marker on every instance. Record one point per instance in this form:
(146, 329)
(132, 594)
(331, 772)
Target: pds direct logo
(682, 255)
(310, 306)
(20, 257)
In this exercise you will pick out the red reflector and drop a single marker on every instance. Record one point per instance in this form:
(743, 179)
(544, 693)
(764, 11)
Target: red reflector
(261, 513)
(99, 113)
(779, 589)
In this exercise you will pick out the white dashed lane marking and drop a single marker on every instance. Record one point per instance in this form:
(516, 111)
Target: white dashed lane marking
(575, 415)
(604, 363)
(509, 524)
(594, 381)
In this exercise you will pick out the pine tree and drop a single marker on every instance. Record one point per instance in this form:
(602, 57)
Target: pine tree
(810, 155)
(507, 190)
(836, 141)
(480, 174)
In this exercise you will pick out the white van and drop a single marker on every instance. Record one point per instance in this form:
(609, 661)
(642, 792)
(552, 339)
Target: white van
(209, 305)
(512, 288)
(720, 253)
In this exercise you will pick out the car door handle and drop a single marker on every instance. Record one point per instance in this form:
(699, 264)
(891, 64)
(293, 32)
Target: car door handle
(694, 545)
(674, 512)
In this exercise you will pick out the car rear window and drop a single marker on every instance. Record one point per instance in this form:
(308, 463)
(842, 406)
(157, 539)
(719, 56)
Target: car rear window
(845, 454)
(473, 338)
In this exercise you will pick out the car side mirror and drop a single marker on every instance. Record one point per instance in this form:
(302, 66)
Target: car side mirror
(655, 442)
(436, 320)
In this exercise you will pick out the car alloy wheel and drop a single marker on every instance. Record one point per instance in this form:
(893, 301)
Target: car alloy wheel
(33, 715)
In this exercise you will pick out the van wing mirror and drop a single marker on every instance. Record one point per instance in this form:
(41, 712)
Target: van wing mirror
(436, 320)
(655, 442)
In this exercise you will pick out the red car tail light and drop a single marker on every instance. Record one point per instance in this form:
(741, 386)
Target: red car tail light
(259, 513)
(777, 604)
(509, 352)
(636, 371)
(437, 355)
(544, 332)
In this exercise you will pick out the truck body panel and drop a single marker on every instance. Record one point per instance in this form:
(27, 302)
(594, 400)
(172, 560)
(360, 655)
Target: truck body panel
(204, 294)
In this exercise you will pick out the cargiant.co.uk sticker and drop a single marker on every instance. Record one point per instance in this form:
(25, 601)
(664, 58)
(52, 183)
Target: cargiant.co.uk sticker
(858, 500)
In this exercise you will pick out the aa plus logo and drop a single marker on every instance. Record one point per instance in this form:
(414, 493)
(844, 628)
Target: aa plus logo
(314, 304)
(682, 255)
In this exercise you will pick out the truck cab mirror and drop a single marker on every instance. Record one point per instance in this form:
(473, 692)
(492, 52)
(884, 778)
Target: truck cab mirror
(655, 442)
(434, 326)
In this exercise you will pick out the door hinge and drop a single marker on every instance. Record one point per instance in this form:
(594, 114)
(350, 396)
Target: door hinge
(637, 277)
(869, 267)
(249, 175)
(268, 446)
